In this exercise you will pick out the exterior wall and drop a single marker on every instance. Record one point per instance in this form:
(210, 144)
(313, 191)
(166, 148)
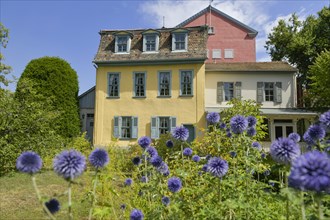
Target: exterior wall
(249, 87)
(187, 110)
(228, 35)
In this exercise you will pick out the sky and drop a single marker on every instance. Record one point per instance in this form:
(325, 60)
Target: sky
(69, 29)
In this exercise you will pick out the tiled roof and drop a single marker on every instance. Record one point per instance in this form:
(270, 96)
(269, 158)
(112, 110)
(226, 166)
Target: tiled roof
(197, 39)
(220, 13)
(250, 66)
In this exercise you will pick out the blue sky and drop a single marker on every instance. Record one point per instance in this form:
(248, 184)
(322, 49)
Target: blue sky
(69, 29)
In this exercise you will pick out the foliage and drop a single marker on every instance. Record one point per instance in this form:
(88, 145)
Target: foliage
(4, 69)
(300, 42)
(54, 78)
(319, 92)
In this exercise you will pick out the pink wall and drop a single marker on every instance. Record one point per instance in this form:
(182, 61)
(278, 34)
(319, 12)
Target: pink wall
(228, 35)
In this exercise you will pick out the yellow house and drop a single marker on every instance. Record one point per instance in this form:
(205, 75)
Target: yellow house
(148, 82)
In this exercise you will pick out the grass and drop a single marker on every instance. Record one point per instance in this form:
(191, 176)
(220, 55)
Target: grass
(18, 199)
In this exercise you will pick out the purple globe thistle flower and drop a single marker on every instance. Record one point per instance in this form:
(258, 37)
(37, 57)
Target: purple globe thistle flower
(187, 151)
(29, 162)
(251, 131)
(325, 120)
(208, 156)
(166, 200)
(256, 145)
(272, 184)
(295, 137)
(69, 164)
(123, 206)
(180, 133)
(252, 121)
(156, 161)
(163, 168)
(313, 134)
(213, 117)
(263, 155)
(174, 184)
(204, 168)
(128, 182)
(99, 158)
(284, 150)
(311, 171)
(144, 141)
(217, 167)
(152, 151)
(233, 154)
(144, 179)
(196, 158)
(136, 214)
(229, 134)
(136, 160)
(267, 173)
(169, 144)
(53, 205)
(238, 124)
(167, 173)
(222, 125)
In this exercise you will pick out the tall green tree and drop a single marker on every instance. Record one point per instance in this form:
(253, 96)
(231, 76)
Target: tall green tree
(53, 77)
(4, 69)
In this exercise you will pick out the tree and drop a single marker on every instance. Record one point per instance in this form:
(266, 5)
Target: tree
(54, 79)
(319, 91)
(4, 69)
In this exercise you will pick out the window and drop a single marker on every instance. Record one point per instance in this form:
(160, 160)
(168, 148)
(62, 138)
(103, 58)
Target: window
(229, 91)
(139, 84)
(229, 53)
(180, 41)
(122, 43)
(125, 127)
(164, 83)
(216, 53)
(269, 91)
(226, 91)
(150, 42)
(113, 84)
(161, 125)
(186, 83)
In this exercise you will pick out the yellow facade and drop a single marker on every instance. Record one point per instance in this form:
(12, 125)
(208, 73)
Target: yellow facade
(187, 110)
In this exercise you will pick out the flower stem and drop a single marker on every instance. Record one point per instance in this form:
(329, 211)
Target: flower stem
(93, 195)
(319, 206)
(303, 213)
(69, 201)
(287, 196)
(219, 190)
(39, 198)
(182, 153)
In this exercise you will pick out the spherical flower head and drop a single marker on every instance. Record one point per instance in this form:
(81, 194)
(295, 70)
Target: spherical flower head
(128, 182)
(251, 131)
(196, 158)
(222, 125)
(136, 214)
(295, 137)
(213, 117)
(325, 120)
(313, 134)
(204, 168)
(169, 144)
(99, 158)
(163, 168)
(217, 167)
(209, 156)
(180, 133)
(174, 184)
(152, 151)
(284, 150)
(252, 121)
(167, 173)
(156, 161)
(256, 145)
(53, 206)
(263, 155)
(144, 141)
(144, 179)
(238, 124)
(136, 160)
(187, 151)
(166, 200)
(123, 206)
(311, 171)
(69, 164)
(229, 134)
(233, 154)
(29, 162)
(267, 173)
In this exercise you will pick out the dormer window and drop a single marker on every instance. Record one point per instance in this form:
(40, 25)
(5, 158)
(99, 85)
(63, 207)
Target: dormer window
(122, 42)
(150, 41)
(180, 40)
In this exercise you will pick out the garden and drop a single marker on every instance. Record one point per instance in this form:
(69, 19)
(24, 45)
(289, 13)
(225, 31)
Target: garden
(226, 175)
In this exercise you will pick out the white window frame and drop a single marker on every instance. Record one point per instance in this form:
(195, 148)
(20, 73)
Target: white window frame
(128, 44)
(169, 83)
(182, 93)
(145, 48)
(216, 53)
(135, 85)
(225, 90)
(270, 90)
(229, 53)
(174, 35)
(118, 127)
(118, 85)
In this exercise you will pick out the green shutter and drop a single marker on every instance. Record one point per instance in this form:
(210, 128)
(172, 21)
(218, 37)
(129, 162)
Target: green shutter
(134, 127)
(219, 92)
(172, 123)
(238, 90)
(117, 127)
(260, 92)
(278, 92)
(154, 127)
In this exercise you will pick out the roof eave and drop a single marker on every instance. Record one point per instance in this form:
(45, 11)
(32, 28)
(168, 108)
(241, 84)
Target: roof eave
(149, 62)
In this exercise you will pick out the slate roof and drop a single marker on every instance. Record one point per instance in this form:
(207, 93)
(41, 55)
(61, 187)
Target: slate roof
(197, 39)
(250, 30)
(250, 67)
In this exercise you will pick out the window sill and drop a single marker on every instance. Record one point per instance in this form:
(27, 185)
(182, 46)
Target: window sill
(187, 96)
(126, 139)
(121, 53)
(164, 96)
(112, 97)
(139, 97)
(178, 51)
(148, 52)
